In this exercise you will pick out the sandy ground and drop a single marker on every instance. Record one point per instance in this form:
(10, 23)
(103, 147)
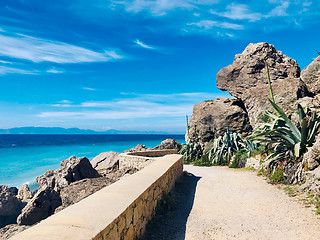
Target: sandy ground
(221, 203)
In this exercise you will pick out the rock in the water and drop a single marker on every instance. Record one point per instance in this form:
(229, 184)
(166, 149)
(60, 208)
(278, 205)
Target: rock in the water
(211, 118)
(71, 170)
(10, 205)
(24, 193)
(246, 79)
(311, 76)
(42, 205)
(312, 157)
(138, 148)
(168, 144)
(106, 160)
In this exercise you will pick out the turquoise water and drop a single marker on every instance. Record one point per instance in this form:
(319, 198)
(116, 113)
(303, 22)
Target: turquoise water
(24, 157)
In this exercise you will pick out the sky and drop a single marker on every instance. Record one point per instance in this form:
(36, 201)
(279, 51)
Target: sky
(136, 65)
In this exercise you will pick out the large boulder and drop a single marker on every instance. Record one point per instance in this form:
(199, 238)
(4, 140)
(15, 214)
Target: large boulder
(10, 205)
(246, 79)
(24, 193)
(42, 205)
(312, 157)
(211, 118)
(168, 144)
(311, 76)
(106, 160)
(71, 170)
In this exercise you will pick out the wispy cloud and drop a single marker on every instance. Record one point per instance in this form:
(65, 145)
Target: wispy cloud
(141, 44)
(280, 10)
(42, 50)
(208, 24)
(89, 88)
(53, 70)
(238, 12)
(8, 70)
(134, 106)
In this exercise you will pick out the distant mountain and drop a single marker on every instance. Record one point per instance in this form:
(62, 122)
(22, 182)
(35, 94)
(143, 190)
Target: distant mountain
(59, 130)
(52, 130)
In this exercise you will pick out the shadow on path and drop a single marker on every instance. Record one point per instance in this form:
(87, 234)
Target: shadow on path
(172, 223)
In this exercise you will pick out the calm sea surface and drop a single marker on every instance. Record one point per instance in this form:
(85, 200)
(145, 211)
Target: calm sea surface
(24, 157)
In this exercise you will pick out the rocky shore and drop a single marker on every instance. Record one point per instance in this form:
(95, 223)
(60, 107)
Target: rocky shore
(76, 179)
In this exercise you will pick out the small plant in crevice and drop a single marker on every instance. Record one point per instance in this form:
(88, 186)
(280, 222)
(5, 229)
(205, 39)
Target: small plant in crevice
(239, 159)
(277, 176)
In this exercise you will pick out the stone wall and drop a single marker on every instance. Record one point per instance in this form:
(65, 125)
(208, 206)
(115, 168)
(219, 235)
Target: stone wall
(118, 211)
(141, 159)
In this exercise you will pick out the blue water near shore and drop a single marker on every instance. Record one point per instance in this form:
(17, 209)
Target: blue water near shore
(24, 157)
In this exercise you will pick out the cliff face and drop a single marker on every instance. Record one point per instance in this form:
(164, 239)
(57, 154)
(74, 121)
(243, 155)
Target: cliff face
(246, 80)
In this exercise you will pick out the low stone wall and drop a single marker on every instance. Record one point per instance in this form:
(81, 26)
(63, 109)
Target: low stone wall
(118, 211)
(141, 159)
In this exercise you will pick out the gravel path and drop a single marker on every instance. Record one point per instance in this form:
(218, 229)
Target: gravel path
(221, 203)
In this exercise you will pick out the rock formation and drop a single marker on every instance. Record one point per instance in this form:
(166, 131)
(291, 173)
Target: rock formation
(211, 118)
(10, 205)
(311, 75)
(168, 144)
(106, 160)
(246, 79)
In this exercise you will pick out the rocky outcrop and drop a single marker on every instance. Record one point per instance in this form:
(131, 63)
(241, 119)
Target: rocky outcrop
(42, 205)
(138, 148)
(211, 118)
(312, 157)
(71, 170)
(106, 160)
(47, 198)
(311, 76)
(246, 79)
(168, 144)
(10, 205)
(24, 193)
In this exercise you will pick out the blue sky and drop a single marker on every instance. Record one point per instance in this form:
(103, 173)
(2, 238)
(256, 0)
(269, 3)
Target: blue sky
(134, 65)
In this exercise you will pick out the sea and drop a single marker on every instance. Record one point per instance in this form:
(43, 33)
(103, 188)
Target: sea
(23, 157)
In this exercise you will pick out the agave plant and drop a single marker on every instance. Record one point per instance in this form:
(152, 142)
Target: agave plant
(285, 138)
(191, 152)
(224, 147)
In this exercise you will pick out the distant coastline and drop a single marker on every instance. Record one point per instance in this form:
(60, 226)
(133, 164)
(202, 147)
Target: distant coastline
(59, 130)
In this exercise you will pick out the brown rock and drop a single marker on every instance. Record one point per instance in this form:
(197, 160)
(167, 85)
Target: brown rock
(211, 118)
(312, 157)
(138, 148)
(106, 160)
(168, 144)
(246, 79)
(10, 205)
(24, 193)
(71, 170)
(42, 205)
(311, 76)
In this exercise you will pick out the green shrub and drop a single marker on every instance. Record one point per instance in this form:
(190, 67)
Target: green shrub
(277, 176)
(240, 159)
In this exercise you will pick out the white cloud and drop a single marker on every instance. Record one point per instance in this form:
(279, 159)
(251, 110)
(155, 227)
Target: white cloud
(238, 12)
(53, 70)
(208, 24)
(88, 88)
(42, 50)
(141, 44)
(7, 70)
(135, 107)
(162, 7)
(280, 10)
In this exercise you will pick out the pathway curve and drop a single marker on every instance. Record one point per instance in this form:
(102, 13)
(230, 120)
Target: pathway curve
(221, 203)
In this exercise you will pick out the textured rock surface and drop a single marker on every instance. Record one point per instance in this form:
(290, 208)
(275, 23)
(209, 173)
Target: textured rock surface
(312, 157)
(246, 79)
(138, 148)
(106, 160)
(168, 144)
(213, 117)
(42, 205)
(11, 230)
(10, 205)
(71, 170)
(311, 76)
(24, 193)
(253, 163)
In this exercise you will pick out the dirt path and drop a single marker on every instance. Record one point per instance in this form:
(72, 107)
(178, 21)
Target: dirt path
(221, 203)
